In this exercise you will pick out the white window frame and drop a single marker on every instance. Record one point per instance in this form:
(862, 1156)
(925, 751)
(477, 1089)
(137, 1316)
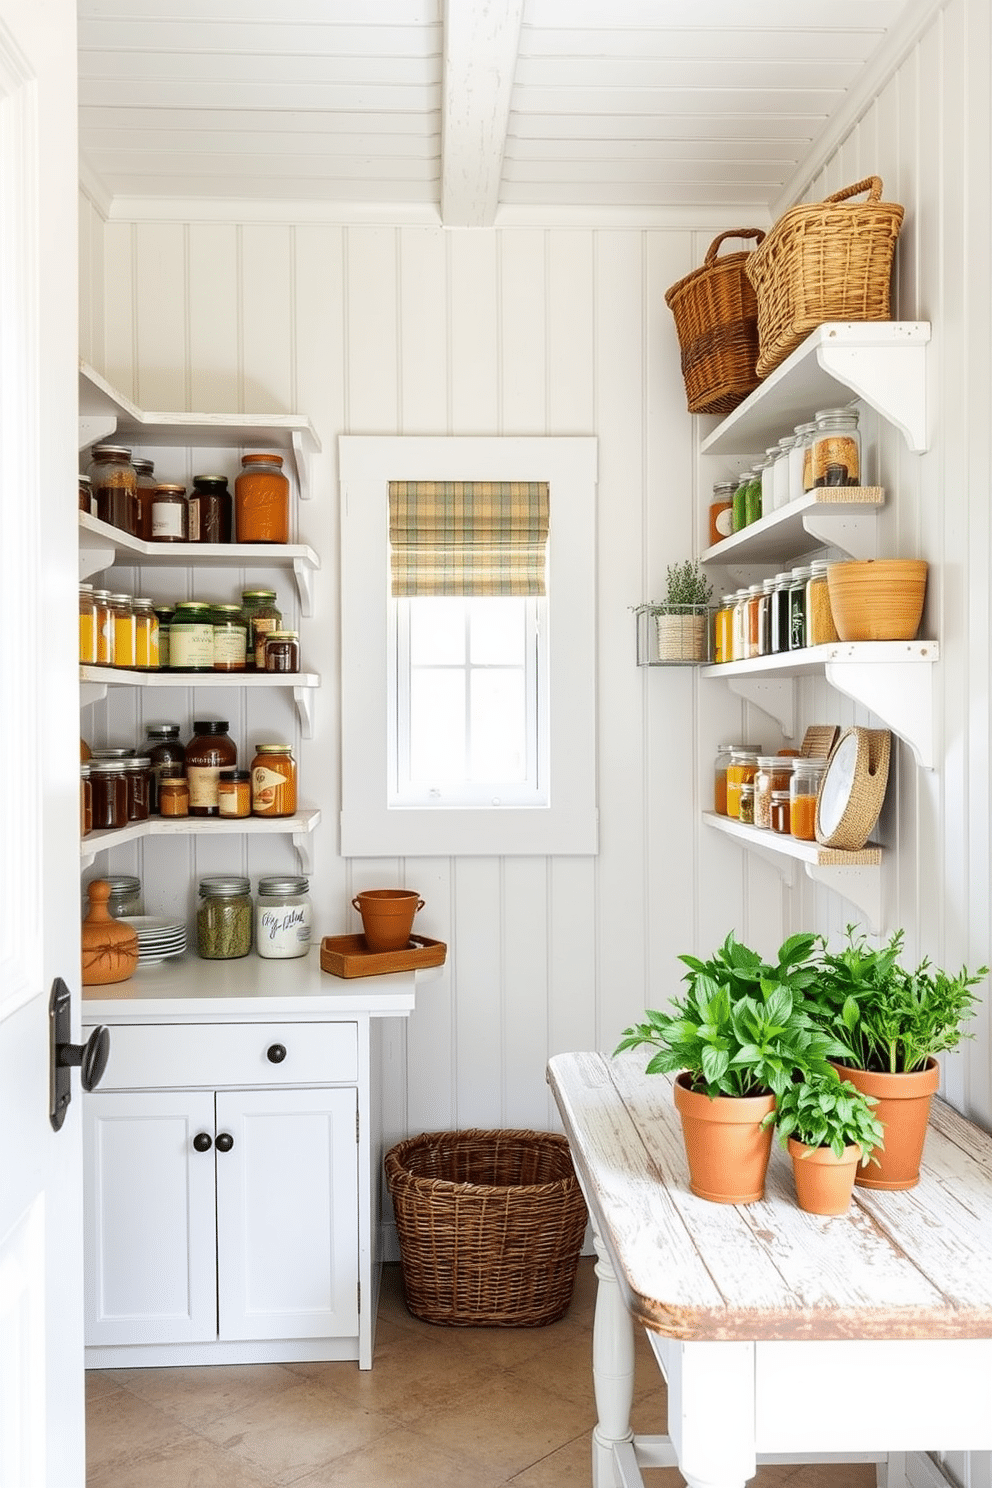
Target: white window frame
(569, 824)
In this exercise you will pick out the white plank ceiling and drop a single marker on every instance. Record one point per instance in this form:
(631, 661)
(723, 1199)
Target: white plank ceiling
(469, 112)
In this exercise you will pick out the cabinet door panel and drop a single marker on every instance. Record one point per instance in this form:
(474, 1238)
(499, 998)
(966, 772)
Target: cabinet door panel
(287, 1214)
(149, 1218)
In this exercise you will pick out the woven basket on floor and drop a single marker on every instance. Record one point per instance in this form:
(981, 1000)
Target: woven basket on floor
(716, 317)
(828, 261)
(490, 1226)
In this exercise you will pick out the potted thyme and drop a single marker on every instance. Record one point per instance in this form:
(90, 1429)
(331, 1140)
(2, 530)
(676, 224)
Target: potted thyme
(683, 617)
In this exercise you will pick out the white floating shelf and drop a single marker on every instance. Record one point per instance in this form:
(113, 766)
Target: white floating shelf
(299, 827)
(94, 681)
(881, 362)
(842, 517)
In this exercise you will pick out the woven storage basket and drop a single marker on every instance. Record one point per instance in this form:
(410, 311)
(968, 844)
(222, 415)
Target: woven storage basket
(716, 317)
(490, 1226)
(828, 261)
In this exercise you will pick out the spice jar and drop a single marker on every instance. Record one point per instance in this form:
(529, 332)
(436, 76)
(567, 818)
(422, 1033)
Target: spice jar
(780, 491)
(723, 630)
(261, 500)
(173, 793)
(209, 510)
(145, 471)
(169, 513)
(741, 771)
(262, 615)
(820, 627)
(145, 634)
(114, 482)
(210, 750)
(109, 790)
(745, 807)
(125, 894)
(836, 448)
(283, 918)
(797, 608)
(87, 626)
(720, 764)
(230, 638)
(164, 752)
(803, 790)
(273, 780)
(124, 634)
(234, 793)
(722, 511)
(799, 458)
(85, 800)
(136, 775)
(781, 816)
(191, 637)
(224, 918)
(739, 506)
(774, 774)
(282, 651)
(164, 615)
(778, 615)
(86, 495)
(104, 627)
(768, 480)
(751, 621)
(753, 510)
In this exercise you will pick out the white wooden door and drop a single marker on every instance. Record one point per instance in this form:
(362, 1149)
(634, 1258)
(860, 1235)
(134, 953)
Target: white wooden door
(151, 1255)
(287, 1214)
(41, 1337)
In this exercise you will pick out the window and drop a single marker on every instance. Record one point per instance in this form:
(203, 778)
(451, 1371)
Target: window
(468, 646)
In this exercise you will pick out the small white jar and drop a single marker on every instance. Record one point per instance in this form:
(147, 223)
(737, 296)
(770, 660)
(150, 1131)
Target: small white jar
(283, 917)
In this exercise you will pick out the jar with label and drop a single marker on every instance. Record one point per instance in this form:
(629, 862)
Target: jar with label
(109, 788)
(722, 511)
(752, 496)
(778, 617)
(720, 765)
(125, 894)
(273, 780)
(739, 507)
(136, 774)
(262, 615)
(210, 750)
(191, 637)
(797, 608)
(145, 471)
(780, 483)
(173, 793)
(781, 816)
(803, 790)
(224, 918)
(261, 500)
(124, 637)
(86, 495)
(836, 448)
(114, 481)
(164, 614)
(234, 793)
(723, 630)
(209, 510)
(169, 513)
(282, 651)
(145, 634)
(797, 459)
(283, 917)
(774, 774)
(741, 771)
(164, 752)
(230, 638)
(739, 625)
(745, 806)
(820, 627)
(87, 626)
(85, 800)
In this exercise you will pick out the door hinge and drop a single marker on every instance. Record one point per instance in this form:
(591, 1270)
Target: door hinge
(358, 1122)
(359, 1291)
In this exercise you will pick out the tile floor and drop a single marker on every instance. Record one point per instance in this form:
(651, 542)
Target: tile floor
(442, 1406)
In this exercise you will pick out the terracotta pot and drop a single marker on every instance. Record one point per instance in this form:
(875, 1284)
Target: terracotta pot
(726, 1149)
(877, 600)
(903, 1109)
(387, 917)
(824, 1182)
(110, 949)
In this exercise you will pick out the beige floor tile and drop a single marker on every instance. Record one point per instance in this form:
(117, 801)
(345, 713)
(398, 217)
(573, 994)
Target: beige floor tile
(194, 1462)
(195, 1397)
(402, 1459)
(290, 1434)
(120, 1427)
(565, 1367)
(569, 1467)
(99, 1383)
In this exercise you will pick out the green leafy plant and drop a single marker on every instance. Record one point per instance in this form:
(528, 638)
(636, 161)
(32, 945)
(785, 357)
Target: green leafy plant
(823, 1110)
(742, 1028)
(687, 590)
(894, 1019)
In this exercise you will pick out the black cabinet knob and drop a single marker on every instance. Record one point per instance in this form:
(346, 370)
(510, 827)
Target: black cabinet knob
(276, 1053)
(203, 1142)
(224, 1142)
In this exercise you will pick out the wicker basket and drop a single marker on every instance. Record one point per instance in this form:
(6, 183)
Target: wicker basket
(716, 316)
(827, 261)
(490, 1226)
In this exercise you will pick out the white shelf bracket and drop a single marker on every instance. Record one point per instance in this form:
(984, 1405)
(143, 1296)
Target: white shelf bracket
(900, 693)
(95, 426)
(304, 707)
(855, 535)
(91, 692)
(303, 842)
(862, 887)
(891, 379)
(775, 696)
(304, 586)
(95, 560)
(304, 466)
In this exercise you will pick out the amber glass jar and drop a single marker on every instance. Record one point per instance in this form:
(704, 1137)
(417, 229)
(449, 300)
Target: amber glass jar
(260, 611)
(86, 495)
(87, 626)
(173, 795)
(164, 752)
(124, 640)
(210, 750)
(145, 471)
(282, 651)
(169, 513)
(136, 775)
(234, 793)
(273, 780)
(109, 793)
(85, 801)
(115, 487)
(104, 627)
(804, 788)
(261, 500)
(209, 510)
(145, 634)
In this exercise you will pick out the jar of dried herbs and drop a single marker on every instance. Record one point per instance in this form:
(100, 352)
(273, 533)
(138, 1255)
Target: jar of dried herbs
(224, 918)
(820, 627)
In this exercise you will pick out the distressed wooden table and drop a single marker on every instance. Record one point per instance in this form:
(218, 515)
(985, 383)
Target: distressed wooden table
(783, 1336)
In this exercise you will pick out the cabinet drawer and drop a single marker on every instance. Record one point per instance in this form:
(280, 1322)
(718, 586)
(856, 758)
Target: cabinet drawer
(211, 1054)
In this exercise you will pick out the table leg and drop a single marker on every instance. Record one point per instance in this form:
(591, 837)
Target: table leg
(612, 1370)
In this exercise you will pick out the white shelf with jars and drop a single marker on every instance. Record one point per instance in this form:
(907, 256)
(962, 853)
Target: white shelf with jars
(300, 826)
(844, 517)
(94, 681)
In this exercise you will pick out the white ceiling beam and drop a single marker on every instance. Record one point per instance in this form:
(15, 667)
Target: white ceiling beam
(481, 39)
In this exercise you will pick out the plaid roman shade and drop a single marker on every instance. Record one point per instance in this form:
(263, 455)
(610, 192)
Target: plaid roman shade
(468, 537)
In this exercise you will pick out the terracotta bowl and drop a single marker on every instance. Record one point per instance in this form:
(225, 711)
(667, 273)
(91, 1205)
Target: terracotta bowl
(881, 600)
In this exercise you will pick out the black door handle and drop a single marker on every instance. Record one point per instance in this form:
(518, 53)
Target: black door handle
(224, 1142)
(63, 1054)
(91, 1057)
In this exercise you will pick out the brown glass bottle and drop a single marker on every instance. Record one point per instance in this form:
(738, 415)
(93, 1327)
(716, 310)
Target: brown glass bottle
(165, 752)
(209, 510)
(210, 750)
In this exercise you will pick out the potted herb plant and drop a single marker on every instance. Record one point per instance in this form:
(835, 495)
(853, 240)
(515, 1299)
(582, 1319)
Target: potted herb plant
(736, 1039)
(683, 618)
(828, 1128)
(895, 1020)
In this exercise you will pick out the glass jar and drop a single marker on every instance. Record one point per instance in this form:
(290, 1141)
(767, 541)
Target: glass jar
(191, 637)
(739, 625)
(745, 805)
(104, 627)
(820, 627)
(125, 894)
(145, 634)
(86, 495)
(780, 483)
(173, 793)
(168, 513)
(145, 471)
(722, 511)
(87, 626)
(209, 510)
(808, 436)
(739, 505)
(797, 458)
(234, 793)
(210, 750)
(283, 918)
(836, 448)
(723, 630)
(164, 752)
(781, 816)
(765, 617)
(224, 918)
(124, 630)
(109, 794)
(230, 638)
(273, 780)
(720, 765)
(261, 500)
(774, 774)
(752, 496)
(282, 651)
(768, 479)
(262, 615)
(85, 800)
(797, 608)
(136, 774)
(164, 614)
(751, 621)
(778, 635)
(803, 790)
(741, 771)
(114, 481)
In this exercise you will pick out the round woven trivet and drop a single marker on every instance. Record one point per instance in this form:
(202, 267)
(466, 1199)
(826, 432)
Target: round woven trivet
(853, 788)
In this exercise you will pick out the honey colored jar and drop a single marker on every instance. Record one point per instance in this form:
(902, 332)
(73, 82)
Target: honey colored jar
(114, 482)
(87, 626)
(261, 500)
(173, 795)
(124, 630)
(273, 780)
(234, 793)
(145, 634)
(741, 771)
(104, 627)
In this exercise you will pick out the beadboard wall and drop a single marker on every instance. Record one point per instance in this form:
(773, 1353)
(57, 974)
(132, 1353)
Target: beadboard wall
(555, 331)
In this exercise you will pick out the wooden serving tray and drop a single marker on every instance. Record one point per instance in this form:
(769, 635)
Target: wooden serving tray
(349, 956)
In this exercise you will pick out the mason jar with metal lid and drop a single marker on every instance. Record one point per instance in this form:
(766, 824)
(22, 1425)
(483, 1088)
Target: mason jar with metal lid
(114, 481)
(191, 637)
(136, 774)
(230, 638)
(125, 894)
(836, 448)
(164, 614)
(224, 919)
(145, 634)
(104, 627)
(124, 630)
(273, 780)
(87, 626)
(804, 788)
(262, 615)
(283, 917)
(168, 512)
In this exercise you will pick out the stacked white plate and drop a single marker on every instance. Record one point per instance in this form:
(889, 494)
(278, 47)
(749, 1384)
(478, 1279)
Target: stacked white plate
(158, 937)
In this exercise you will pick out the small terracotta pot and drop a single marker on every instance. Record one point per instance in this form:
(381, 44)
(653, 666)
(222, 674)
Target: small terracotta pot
(387, 917)
(903, 1109)
(725, 1147)
(110, 949)
(824, 1182)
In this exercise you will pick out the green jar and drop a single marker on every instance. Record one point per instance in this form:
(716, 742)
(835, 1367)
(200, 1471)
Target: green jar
(262, 614)
(191, 637)
(224, 918)
(752, 496)
(230, 638)
(738, 505)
